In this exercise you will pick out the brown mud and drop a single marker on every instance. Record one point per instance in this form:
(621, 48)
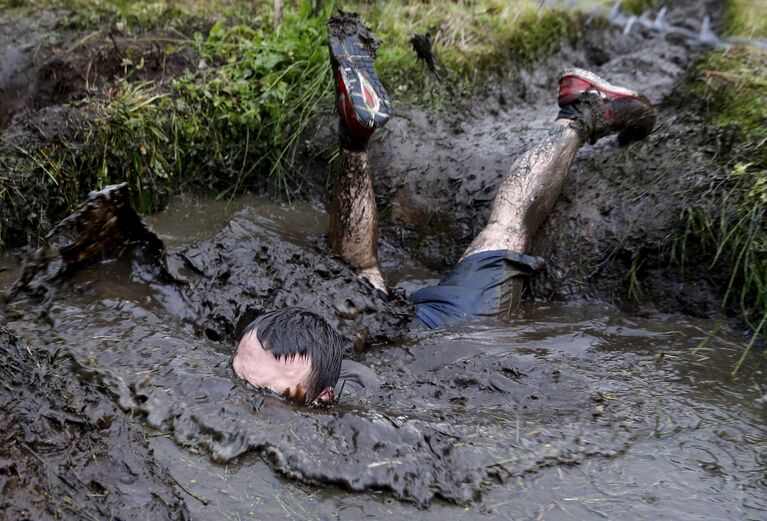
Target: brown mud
(102, 227)
(67, 451)
(573, 411)
(345, 24)
(464, 415)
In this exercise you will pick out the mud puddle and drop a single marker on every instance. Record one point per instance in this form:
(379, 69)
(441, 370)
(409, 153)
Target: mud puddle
(573, 411)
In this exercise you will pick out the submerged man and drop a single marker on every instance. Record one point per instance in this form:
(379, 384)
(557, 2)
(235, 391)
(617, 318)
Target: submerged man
(297, 353)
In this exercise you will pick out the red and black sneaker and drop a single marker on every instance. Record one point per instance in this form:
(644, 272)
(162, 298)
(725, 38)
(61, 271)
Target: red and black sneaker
(612, 108)
(361, 99)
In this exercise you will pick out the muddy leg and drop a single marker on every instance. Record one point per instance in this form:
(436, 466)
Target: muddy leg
(363, 106)
(529, 191)
(354, 218)
(526, 196)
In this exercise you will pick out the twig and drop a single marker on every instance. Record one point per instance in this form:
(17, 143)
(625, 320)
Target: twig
(114, 43)
(198, 498)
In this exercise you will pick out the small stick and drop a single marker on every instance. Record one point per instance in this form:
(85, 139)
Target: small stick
(198, 498)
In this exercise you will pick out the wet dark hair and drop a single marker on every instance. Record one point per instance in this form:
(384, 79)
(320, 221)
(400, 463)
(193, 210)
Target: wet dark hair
(291, 332)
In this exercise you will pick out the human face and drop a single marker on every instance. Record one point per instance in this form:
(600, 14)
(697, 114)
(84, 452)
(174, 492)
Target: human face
(288, 376)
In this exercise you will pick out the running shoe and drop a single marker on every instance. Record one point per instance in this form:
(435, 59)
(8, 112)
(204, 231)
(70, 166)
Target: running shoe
(616, 109)
(361, 99)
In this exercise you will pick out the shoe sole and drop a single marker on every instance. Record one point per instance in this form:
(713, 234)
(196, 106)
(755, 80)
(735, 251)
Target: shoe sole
(599, 83)
(614, 92)
(353, 63)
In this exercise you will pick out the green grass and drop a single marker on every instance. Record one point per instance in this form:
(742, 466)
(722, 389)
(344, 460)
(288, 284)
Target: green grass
(234, 121)
(746, 18)
(727, 222)
(247, 115)
(472, 40)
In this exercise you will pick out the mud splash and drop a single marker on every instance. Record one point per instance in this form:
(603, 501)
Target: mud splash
(470, 415)
(104, 226)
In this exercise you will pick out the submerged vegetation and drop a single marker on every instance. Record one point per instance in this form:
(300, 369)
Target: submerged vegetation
(233, 117)
(726, 225)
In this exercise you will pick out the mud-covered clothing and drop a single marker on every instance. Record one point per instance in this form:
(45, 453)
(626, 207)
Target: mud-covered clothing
(478, 287)
(356, 379)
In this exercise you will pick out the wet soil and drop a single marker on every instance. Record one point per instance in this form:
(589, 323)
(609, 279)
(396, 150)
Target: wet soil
(574, 410)
(46, 61)
(345, 24)
(437, 173)
(67, 451)
(570, 410)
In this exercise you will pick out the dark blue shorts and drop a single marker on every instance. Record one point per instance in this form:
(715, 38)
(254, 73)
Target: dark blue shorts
(478, 287)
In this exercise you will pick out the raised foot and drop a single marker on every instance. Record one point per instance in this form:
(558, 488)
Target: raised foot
(610, 108)
(362, 102)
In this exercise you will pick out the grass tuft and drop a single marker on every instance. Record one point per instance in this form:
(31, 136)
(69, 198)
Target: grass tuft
(727, 223)
(234, 118)
(745, 18)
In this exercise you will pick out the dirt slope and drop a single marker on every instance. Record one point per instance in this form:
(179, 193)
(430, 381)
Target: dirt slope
(436, 174)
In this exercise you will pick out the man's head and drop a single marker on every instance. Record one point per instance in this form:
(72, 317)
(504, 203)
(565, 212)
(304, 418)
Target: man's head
(293, 352)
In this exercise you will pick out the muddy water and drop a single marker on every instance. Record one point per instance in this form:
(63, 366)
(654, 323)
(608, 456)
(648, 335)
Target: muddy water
(574, 411)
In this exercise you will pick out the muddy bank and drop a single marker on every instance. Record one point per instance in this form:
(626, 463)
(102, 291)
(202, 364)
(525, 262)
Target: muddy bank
(69, 452)
(55, 81)
(435, 175)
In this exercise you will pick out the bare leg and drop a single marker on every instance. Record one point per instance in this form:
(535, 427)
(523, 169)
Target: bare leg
(529, 191)
(354, 218)
(490, 285)
(363, 106)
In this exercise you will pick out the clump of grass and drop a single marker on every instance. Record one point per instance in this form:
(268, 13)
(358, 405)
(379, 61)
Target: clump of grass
(131, 142)
(470, 39)
(727, 224)
(246, 115)
(746, 18)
